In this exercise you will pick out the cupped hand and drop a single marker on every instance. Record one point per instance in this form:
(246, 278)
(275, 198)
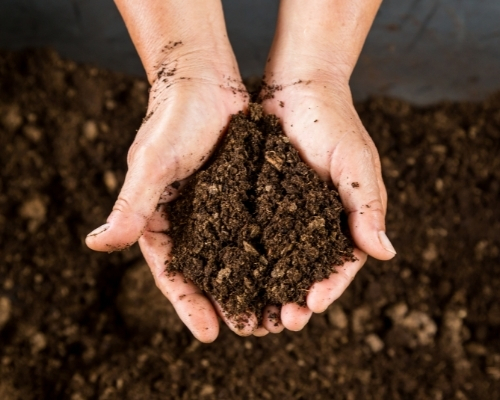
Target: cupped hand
(189, 110)
(319, 117)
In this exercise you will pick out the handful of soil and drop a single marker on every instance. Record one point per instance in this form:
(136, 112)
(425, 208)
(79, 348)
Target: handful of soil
(257, 226)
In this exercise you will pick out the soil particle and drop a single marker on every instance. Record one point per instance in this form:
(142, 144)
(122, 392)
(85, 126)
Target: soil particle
(413, 328)
(257, 226)
(110, 181)
(337, 317)
(33, 209)
(33, 133)
(374, 343)
(452, 331)
(38, 342)
(361, 319)
(90, 130)
(5, 311)
(12, 118)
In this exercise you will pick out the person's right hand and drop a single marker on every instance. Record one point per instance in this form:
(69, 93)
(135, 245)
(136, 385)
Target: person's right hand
(196, 86)
(189, 108)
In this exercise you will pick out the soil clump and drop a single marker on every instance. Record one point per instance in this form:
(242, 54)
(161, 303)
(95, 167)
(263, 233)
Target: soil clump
(257, 226)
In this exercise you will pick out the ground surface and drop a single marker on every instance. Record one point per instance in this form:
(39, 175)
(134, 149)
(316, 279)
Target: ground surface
(80, 325)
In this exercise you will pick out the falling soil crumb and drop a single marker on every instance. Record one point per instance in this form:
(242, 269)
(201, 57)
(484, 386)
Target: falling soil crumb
(257, 226)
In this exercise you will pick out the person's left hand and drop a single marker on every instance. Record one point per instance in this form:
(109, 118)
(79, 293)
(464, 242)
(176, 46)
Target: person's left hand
(318, 116)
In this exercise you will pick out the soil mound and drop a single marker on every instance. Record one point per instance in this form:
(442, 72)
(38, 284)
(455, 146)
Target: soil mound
(257, 226)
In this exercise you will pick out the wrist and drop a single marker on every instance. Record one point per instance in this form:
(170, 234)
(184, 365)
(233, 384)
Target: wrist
(323, 35)
(294, 66)
(207, 61)
(168, 32)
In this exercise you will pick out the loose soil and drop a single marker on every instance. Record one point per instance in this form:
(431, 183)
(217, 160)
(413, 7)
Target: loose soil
(257, 226)
(81, 325)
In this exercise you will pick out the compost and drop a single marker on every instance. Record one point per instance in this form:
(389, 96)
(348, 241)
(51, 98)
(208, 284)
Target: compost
(257, 226)
(76, 325)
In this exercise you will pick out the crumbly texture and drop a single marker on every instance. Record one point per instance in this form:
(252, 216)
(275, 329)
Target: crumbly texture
(257, 226)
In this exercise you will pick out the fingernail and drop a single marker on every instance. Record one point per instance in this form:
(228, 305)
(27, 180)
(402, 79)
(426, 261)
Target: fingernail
(98, 231)
(386, 243)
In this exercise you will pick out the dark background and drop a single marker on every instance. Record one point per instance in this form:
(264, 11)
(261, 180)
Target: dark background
(419, 50)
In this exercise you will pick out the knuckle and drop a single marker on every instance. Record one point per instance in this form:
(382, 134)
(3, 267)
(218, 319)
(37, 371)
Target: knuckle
(154, 159)
(132, 153)
(122, 205)
(374, 206)
(345, 277)
(139, 154)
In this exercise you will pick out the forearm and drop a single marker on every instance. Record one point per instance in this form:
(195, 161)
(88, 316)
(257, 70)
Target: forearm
(164, 30)
(321, 35)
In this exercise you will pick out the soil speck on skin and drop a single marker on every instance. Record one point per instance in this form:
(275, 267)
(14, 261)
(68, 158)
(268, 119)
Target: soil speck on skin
(268, 90)
(355, 185)
(257, 226)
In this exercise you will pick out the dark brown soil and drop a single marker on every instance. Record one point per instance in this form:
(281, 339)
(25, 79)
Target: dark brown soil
(81, 325)
(257, 226)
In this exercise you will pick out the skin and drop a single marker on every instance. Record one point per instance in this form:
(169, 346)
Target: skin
(196, 87)
(313, 66)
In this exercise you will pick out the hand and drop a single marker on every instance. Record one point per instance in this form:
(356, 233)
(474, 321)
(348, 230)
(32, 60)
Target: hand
(318, 116)
(315, 49)
(196, 87)
(187, 115)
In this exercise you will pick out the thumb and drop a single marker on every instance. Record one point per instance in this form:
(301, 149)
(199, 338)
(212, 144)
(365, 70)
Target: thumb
(148, 175)
(359, 182)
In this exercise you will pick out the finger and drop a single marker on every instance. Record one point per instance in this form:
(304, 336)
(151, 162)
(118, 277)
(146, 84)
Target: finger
(295, 317)
(242, 325)
(380, 181)
(260, 332)
(362, 196)
(271, 319)
(324, 293)
(171, 192)
(193, 308)
(150, 170)
(159, 222)
(383, 192)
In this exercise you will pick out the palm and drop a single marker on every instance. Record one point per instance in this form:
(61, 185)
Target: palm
(323, 125)
(185, 120)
